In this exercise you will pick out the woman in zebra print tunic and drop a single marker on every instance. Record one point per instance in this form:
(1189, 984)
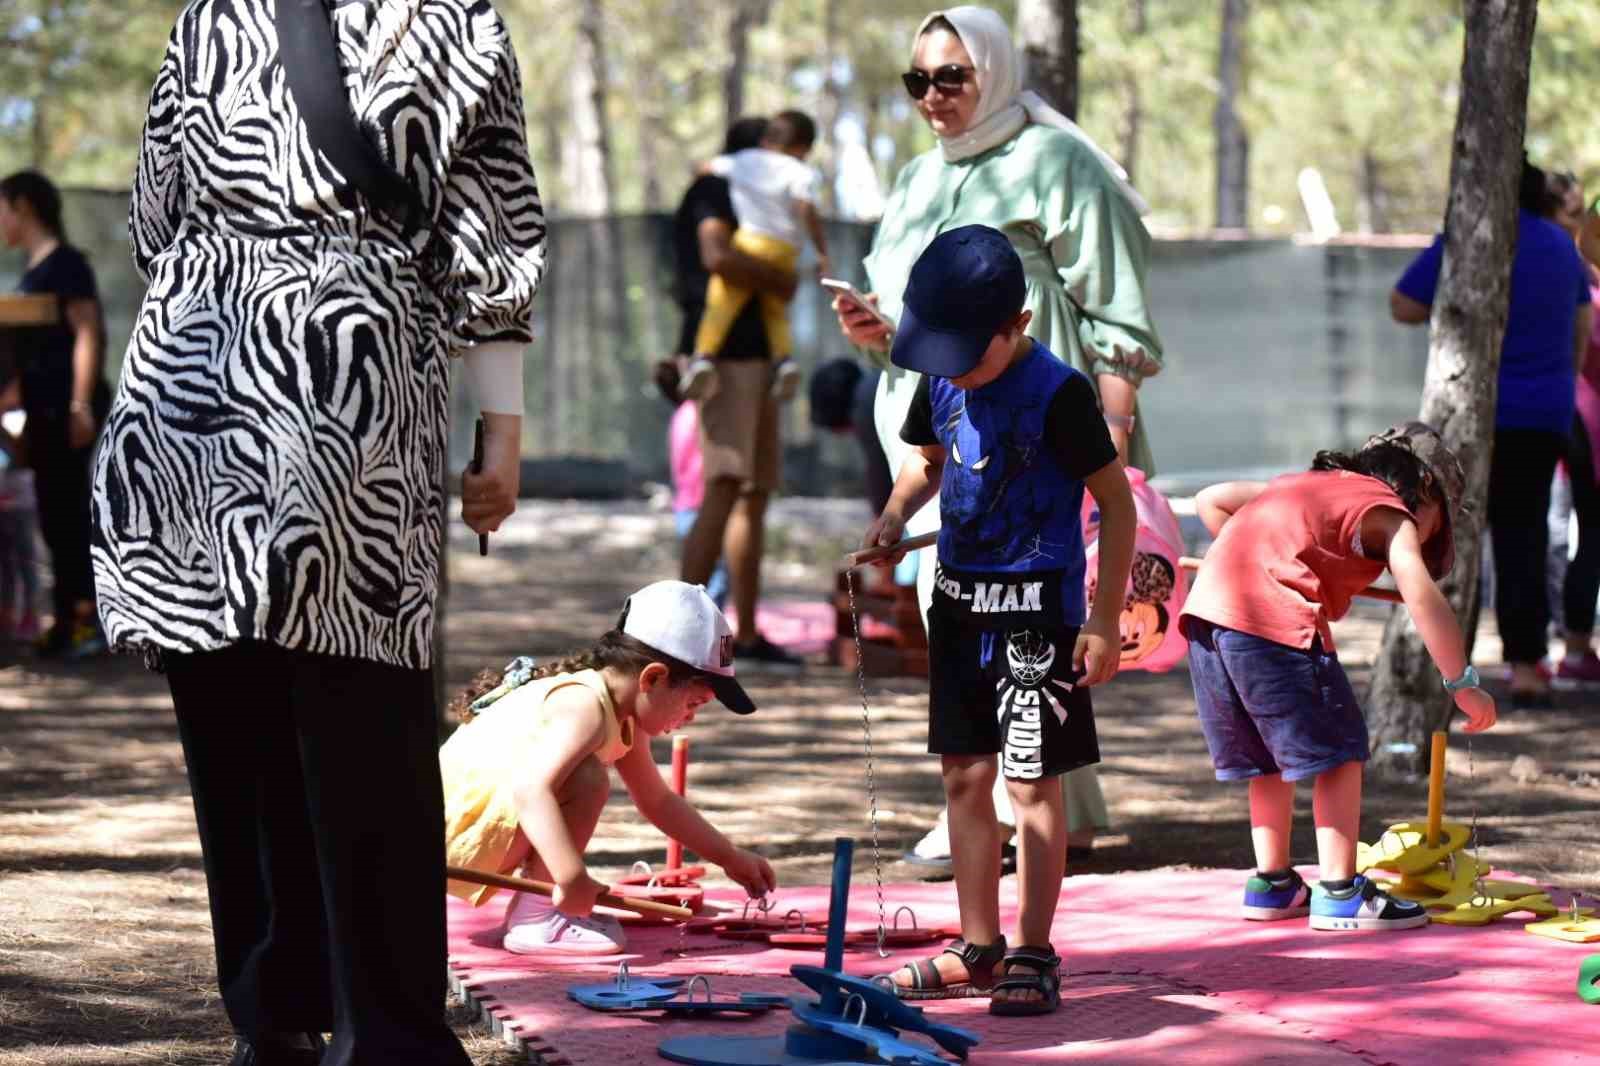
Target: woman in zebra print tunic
(267, 495)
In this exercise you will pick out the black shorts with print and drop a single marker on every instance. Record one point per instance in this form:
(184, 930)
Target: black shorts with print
(1010, 691)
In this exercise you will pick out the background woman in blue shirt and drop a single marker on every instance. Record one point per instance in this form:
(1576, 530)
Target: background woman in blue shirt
(1547, 330)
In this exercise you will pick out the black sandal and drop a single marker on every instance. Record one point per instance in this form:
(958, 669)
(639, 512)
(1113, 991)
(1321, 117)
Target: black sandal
(928, 983)
(1045, 980)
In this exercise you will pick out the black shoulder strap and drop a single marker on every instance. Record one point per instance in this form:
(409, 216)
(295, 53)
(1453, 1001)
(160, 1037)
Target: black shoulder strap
(311, 66)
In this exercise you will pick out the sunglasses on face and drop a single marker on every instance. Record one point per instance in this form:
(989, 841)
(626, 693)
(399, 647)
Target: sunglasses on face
(948, 79)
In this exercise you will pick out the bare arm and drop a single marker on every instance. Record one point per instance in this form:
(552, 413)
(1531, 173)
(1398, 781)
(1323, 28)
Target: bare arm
(83, 318)
(1118, 397)
(1218, 503)
(1405, 310)
(813, 223)
(719, 256)
(668, 811)
(1099, 644)
(575, 732)
(677, 818)
(919, 480)
(1430, 611)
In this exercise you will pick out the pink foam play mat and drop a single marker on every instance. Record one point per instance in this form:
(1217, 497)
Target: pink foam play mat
(1158, 969)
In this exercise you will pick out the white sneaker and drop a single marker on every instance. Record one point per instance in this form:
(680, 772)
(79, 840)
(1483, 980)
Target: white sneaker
(534, 927)
(699, 381)
(934, 848)
(787, 381)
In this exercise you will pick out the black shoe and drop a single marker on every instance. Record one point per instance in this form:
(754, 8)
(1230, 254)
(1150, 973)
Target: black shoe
(761, 652)
(296, 1050)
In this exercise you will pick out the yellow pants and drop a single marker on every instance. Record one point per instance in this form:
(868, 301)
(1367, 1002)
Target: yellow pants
(724, 301)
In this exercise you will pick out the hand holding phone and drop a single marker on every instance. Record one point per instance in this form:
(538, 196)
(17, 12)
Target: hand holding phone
(850, 294)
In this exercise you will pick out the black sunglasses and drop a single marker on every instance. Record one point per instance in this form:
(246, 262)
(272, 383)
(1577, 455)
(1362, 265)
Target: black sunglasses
(948, 79)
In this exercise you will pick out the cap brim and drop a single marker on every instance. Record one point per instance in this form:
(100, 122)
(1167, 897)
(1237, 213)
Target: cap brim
(927, 350)
(730, 693)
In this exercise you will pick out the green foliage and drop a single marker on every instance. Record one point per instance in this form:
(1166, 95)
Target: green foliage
(1363, 90)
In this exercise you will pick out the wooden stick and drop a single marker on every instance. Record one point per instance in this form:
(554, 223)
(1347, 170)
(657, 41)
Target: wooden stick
(1436, 788)
(680, 782)
(872, 555)
(546, 889)
(1371, 592)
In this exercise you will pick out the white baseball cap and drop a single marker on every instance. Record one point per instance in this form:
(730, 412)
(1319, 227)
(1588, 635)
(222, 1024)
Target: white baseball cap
(680, 620)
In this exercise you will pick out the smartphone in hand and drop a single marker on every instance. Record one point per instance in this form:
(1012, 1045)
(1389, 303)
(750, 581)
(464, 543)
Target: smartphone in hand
(850, 294)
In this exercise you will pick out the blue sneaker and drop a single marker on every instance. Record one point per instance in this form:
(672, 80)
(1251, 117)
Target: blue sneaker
(1265, 901)
(1363, 906)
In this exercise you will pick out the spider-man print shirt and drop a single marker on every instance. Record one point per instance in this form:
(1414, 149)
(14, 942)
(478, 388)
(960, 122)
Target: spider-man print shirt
(1016, 453)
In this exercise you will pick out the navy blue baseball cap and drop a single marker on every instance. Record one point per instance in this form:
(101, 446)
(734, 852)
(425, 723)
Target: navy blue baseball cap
(966, 286)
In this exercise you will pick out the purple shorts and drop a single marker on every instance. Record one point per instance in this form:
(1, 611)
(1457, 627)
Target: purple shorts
(1267, 708)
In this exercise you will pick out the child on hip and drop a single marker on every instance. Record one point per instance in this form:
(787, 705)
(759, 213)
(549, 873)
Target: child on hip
(774, 194)
(1008, 437)
(527, 775)
(1275, 704)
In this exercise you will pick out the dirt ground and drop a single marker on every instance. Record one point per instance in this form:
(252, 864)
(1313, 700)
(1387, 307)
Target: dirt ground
(105, 952)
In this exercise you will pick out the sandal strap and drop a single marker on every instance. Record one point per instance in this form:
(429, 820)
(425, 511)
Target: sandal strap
(925, 975)
(1035, 958)
(977, 956)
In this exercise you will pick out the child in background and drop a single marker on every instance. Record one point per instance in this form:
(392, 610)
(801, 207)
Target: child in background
(686, 464)
(19, 518)
(1274, 702)
(775, 198)
(525, 776)
(1008, 436)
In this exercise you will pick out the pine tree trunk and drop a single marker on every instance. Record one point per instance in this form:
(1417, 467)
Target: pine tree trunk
(597, 382)
(832, 104)
(587, 162)
(1232, 142)
(1048, 30)
(747, 15)
(1406, 702)
(1133, 116)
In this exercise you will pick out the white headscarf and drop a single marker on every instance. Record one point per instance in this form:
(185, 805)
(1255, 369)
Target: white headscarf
(1002, 108)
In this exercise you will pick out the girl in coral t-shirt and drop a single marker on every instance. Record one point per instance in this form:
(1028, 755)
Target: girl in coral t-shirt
(1275, 704)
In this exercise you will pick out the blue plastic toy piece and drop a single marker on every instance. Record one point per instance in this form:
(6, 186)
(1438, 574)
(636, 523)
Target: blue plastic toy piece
(852, 1022)
(625, 993)
(884, 1045)
(884, 1009)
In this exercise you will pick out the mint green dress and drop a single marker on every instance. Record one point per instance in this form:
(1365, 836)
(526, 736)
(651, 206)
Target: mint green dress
(1084, 252)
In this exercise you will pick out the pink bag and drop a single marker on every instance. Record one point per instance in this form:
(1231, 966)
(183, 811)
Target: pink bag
(1157, 585)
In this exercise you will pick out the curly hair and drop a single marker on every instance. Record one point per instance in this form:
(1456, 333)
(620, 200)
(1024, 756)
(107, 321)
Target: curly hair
(1394, 464)
(615, 650)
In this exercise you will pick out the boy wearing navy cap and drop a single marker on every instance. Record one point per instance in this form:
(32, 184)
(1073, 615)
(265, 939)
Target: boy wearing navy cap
(1008, 436)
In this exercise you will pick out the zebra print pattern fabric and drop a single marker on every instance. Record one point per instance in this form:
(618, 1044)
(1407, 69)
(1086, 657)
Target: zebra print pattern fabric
(271, 467)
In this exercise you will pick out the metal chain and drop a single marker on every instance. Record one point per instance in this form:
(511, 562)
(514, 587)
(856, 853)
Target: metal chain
(872, 786)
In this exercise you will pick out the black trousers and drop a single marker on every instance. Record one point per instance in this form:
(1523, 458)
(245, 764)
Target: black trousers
(62, 479)
(1519, 501)
(1581, 587)
(321, 816)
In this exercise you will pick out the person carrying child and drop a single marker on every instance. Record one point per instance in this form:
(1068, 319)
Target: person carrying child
(775, 196)
(525, 776)
(1008, 436)
(1274, 702)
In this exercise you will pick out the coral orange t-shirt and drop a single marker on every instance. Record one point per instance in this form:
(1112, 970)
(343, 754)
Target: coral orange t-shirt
(1289, 562)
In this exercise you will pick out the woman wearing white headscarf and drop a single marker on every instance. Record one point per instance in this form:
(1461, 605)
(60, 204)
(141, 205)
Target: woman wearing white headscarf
(1007, 159)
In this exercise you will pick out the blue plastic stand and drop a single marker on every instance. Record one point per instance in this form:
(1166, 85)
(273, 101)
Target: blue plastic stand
(852, 1021)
